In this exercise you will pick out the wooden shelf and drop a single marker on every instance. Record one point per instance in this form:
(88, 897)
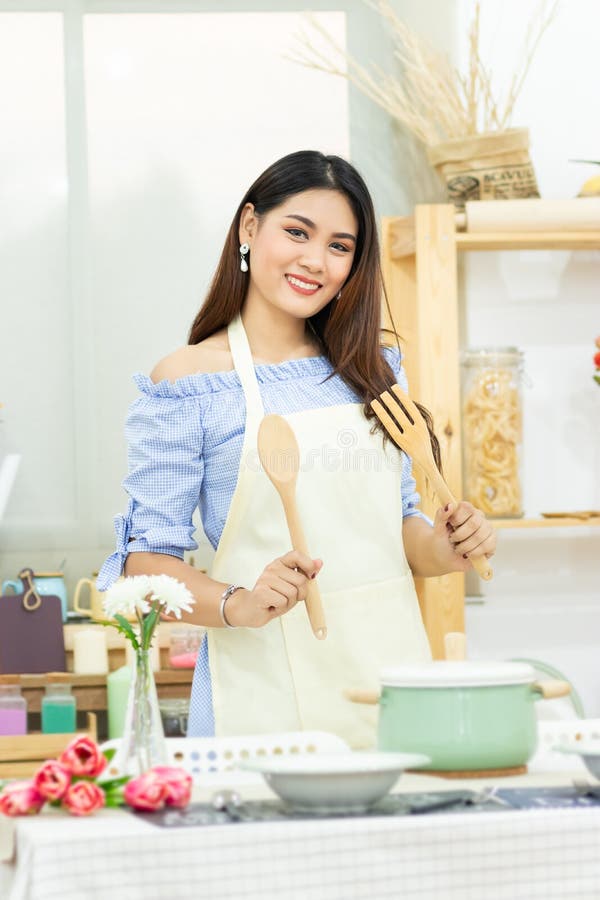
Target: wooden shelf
(554, 522)
(420, 264)
(163, 676)
(90, 690)
(117, 643)
(561, 240)
(401, 239)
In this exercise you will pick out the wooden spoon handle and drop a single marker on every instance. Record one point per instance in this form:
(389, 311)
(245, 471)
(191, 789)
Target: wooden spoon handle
(552, 688)
(314, 605)
(455, 645)
(479, 563)
(358, 695)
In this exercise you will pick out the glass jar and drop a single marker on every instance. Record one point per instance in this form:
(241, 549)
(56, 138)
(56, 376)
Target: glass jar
(59, 711)
(13, 710)
(174, 712)
(184, 645)
(492, 430)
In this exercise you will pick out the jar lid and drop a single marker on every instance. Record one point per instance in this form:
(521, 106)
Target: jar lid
(447, 674)
(497, 356)
(175, 705)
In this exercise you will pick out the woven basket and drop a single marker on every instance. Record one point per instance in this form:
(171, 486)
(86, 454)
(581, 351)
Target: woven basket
(492, 166)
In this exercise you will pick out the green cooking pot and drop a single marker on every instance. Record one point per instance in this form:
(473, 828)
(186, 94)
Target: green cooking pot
(463, 715)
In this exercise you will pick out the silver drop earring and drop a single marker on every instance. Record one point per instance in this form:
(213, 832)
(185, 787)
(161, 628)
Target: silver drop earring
(244, 250)
(338, 295)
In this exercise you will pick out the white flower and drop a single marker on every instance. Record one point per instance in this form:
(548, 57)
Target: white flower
(127, 597)
(172, 594)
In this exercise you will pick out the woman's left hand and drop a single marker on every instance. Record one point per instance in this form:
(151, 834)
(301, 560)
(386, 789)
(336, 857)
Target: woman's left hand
(462, 530)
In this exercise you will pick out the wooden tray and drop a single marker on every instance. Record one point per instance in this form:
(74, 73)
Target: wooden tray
(22, 754)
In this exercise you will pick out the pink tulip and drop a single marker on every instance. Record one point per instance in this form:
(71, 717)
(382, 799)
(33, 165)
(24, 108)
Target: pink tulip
(83, 798)
(83, 757)
(20, 798)
(147, 792)
(52, 780)
(178, 784)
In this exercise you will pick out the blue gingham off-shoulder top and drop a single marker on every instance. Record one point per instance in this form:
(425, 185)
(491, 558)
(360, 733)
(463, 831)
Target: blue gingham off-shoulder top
(185, 442)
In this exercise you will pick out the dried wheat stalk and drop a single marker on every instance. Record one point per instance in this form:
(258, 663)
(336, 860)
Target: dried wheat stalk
(432, 99)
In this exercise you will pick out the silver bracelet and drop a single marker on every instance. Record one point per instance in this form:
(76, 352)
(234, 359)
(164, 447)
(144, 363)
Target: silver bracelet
(224, 598)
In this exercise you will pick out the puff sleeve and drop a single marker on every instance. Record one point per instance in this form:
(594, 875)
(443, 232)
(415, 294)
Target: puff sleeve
(165, 465)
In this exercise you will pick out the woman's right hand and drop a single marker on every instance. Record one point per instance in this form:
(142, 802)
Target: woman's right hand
(282, 584)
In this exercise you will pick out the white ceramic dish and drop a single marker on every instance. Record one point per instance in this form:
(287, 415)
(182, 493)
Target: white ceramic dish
(337, 782)
(588, 751)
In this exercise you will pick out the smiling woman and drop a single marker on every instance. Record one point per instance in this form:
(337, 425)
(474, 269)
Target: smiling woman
(312, 261)
(291, 325)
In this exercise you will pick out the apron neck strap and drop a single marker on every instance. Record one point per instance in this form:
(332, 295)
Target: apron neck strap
(244, 366)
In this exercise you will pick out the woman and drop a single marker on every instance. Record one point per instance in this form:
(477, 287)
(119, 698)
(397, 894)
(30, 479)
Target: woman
(291, 325)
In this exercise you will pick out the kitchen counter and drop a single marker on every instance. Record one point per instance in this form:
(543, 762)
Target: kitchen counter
(501, 854)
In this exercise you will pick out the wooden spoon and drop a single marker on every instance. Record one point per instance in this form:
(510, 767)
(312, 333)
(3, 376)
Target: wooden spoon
(280, 458)
(409, 430)
(455, 645)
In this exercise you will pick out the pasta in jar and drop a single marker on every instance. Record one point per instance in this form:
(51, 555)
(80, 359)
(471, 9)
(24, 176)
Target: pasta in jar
(492, 431)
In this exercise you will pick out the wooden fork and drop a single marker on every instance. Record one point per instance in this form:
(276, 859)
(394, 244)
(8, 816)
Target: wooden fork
(408, 428)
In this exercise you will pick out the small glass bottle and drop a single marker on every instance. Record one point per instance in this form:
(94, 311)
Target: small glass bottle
(174, 712)
(59, 711)
(492, 431)
(183, 648)
(13, 707)
(118, 684)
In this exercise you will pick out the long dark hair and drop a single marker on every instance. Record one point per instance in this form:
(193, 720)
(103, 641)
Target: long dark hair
(348, 330)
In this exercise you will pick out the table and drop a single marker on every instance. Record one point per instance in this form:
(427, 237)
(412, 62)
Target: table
(505, 855)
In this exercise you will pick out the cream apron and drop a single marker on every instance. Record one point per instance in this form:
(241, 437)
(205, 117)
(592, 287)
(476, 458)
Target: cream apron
(280, 677)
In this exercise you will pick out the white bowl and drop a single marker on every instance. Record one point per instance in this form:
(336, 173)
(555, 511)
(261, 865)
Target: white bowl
(334, 783)
(588, 751)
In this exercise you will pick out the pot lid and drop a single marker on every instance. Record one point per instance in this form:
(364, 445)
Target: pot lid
(445, 674)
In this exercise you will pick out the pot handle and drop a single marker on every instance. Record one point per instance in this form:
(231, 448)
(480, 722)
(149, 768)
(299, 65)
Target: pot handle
(551, 688)
(358, 695)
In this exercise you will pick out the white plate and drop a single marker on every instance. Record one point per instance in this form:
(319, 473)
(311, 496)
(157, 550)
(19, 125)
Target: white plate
(337, 782)
(588, 750)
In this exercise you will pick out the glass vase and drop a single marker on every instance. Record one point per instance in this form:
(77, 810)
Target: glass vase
(143, 743)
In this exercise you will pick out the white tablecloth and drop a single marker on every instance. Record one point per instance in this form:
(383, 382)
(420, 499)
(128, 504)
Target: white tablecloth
(504, 855)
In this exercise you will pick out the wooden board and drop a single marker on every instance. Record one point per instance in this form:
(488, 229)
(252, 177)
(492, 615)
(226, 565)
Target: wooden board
(473, 773)
(562, 240)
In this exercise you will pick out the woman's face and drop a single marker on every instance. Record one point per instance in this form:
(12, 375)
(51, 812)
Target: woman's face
(301, 252)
